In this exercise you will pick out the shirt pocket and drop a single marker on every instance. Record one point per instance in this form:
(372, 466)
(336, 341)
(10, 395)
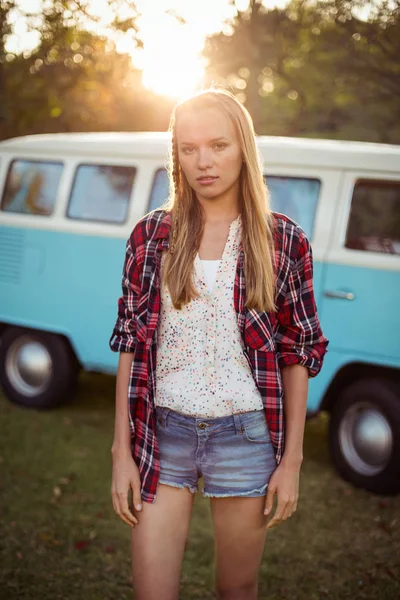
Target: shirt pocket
(258, 330)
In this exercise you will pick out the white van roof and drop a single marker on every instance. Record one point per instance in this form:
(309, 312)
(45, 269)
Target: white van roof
(275, 150)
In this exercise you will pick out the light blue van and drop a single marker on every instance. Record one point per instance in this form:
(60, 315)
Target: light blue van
(70, 201)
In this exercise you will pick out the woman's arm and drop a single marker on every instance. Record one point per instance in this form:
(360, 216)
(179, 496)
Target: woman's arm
(122, 439)
(295, 385)
(125, 473)
(301, 347)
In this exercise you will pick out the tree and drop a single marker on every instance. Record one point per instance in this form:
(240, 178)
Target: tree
(6, 6)
(307, 69)
(74, 80)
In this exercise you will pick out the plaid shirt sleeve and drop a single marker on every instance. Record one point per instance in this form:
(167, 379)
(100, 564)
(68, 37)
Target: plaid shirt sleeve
(123, 337)
(298, 335)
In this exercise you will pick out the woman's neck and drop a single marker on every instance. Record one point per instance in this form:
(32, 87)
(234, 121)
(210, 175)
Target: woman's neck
(222, 209)
(220, 213)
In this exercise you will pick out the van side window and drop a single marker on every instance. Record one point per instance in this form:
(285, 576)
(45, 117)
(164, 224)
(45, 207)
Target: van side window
(31, 187)
(101, 193)
(160, 190)
(296, 197)
(374, 222)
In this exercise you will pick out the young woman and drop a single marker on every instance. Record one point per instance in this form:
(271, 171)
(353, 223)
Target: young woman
(218, 334)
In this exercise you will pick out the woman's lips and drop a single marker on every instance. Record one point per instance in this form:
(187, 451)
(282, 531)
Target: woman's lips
(207, 180)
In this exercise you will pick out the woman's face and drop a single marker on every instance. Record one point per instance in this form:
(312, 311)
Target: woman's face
(209, 152)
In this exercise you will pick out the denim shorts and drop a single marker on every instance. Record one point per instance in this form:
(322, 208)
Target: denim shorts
(233, 454)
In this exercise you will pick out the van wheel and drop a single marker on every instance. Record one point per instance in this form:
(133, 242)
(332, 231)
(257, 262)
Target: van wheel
(364, 435)
(37, 369)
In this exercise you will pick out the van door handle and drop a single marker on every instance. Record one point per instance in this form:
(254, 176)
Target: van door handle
(340, 295)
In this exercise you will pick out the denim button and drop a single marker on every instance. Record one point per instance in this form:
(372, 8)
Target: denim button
(202, 425)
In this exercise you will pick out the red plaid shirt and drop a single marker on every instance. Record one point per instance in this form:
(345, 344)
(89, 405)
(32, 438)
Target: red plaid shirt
(271, 340)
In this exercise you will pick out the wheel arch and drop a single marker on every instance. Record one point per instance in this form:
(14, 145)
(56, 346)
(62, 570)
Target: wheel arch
(73, 354)
(352, 372)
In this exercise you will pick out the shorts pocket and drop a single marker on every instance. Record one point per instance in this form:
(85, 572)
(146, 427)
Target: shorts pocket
(256, 431)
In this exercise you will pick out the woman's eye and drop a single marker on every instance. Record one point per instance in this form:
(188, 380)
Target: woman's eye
(219, 146)
(187, 150)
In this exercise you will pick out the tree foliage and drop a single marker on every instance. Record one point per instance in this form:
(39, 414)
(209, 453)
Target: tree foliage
(74, 80)
(314, 68)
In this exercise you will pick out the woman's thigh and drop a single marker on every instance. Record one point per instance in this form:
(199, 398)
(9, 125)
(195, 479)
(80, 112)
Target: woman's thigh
(240, 534)
(158, 543)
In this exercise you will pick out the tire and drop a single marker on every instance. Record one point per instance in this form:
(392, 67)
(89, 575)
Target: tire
(364, 435)
(37, 369)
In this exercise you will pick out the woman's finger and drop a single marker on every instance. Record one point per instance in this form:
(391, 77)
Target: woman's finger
(136, 496)
(124, 508)
(289, 510)
(116, 508)
(277, 518)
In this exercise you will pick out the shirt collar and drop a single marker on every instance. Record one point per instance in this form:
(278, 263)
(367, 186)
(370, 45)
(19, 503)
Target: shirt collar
(164, 227)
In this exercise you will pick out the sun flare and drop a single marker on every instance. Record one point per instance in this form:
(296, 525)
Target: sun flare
(172, 32)
(170, 60)
(171, 75)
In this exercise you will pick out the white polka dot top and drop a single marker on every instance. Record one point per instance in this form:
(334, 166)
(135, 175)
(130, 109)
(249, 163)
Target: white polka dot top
(201, 369)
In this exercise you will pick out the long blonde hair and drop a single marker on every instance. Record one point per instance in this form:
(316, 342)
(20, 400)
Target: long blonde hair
(188, 217)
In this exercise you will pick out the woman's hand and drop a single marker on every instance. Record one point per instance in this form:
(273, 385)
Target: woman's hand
(125, 475)
(284, 482)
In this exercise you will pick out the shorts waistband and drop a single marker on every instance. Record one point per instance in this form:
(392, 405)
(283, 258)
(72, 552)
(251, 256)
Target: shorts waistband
(238, 419)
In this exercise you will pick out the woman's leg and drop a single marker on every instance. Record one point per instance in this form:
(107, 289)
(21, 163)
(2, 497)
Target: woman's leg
(240, 533)
(158, 544)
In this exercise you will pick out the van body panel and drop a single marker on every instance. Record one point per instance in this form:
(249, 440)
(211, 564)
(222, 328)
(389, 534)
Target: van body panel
(52, 268)
(370, 322)
(69, 284)
(367, 321)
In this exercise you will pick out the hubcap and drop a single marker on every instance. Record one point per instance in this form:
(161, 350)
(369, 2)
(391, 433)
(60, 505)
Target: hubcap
(28, 366)
(366, 438)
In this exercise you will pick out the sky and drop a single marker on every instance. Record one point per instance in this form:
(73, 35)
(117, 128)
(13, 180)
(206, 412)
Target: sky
(170, 61)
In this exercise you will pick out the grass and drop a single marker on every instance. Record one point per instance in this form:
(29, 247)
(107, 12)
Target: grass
(60, 538)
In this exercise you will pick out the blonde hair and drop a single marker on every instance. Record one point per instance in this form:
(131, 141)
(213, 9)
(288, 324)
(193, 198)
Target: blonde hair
(188, 218)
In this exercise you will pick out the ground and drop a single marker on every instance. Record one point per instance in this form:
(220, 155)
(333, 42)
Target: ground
(61, 539)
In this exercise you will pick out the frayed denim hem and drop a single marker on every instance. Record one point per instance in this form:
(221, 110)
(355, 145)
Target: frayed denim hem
(257, 492)
(193, 489)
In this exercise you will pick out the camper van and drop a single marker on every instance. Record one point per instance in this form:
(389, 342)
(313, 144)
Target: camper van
(69, 203)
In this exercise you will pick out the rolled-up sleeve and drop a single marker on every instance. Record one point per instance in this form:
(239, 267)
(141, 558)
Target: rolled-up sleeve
(298, 335)
(123, 337)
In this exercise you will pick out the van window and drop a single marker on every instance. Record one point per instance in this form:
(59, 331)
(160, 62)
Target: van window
(31, 187)
(296, 197)
(101, 193)
(374, 222)
(160, 190)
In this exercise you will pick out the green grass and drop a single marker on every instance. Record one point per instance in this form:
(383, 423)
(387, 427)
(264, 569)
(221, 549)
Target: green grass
(60, 538)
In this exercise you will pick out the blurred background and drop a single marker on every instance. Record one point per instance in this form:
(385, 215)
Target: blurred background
(326, 68)
(316, 69)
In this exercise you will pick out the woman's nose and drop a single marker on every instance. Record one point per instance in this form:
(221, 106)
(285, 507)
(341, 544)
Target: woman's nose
(204, 158)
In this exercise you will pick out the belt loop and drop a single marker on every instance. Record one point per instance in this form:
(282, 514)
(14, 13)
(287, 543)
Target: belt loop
(166, 412)
(238, 422)
(162, 413)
